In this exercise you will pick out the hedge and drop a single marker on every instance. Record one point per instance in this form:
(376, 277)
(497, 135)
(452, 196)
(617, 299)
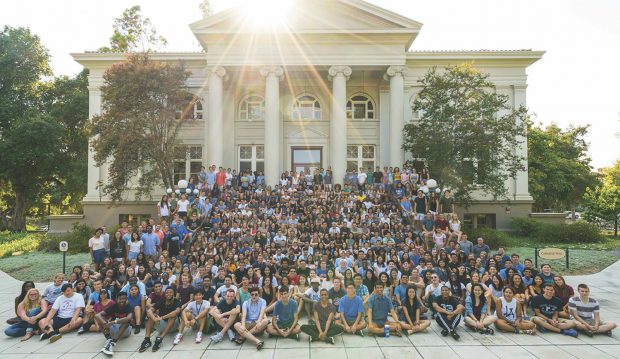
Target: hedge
(77, 239)
(578, 232)
(492, 237)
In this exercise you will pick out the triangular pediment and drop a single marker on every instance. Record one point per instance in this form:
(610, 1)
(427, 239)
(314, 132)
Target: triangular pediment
(307, 132)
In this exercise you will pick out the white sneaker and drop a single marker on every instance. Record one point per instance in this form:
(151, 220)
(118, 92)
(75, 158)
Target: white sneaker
(177, 339)
(216, 338)
(231, 334)
(198, 337)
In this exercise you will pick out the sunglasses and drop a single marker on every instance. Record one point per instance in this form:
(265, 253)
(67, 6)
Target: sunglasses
(254, 294)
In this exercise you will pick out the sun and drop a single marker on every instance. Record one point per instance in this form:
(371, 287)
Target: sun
(267, 13)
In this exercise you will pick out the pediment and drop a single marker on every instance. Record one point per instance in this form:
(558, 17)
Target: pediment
(306, 132)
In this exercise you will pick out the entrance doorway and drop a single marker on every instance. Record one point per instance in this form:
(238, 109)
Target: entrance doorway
(306, 158)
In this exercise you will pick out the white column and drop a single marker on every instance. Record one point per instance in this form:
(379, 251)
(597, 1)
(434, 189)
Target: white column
(215, 126)
(397, 121)
(521, 181)
(338, 125)
(272, 75)
(94, 172)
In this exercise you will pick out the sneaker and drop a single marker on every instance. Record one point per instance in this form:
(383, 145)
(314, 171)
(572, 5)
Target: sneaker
(81, 331)
(136, 329)
(444, 333)
(310, 339)
(296, 336)
(409, 331)
(146, 343)
(44, 336)
(216, 338)
(455, 335)
(360, 333)
(260, 345)
(331, 340)
(54, 338)
(177, 339)
(589, 333)
(608, 333)
(231, 335)
(489, 331)
(198, 337)
(569, 332)
(108, 348)
(157, 344)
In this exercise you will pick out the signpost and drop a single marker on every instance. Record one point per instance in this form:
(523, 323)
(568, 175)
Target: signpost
(63, 246)
(551, 254)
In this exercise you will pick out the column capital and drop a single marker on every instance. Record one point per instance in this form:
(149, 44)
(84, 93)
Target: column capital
(396, 71)
(339, 70)
(272, 70)
(217, 70)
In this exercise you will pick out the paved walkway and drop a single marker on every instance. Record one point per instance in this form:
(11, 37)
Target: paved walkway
(424, 345)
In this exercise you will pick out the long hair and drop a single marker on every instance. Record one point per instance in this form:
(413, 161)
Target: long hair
(483, 299)
(28, 304)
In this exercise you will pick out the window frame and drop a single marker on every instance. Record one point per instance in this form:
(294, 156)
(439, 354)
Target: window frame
(350, 107)
(188, 161)
(360, 159)
(244, 109)
(253, 160)
(296, 110)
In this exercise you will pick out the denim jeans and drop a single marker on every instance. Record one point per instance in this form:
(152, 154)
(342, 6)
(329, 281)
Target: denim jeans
(20, 329)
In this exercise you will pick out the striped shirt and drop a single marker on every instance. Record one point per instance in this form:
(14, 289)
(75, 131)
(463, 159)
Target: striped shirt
(584, 310)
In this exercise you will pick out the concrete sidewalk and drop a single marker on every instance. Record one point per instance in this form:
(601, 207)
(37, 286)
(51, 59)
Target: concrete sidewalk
(603, 286)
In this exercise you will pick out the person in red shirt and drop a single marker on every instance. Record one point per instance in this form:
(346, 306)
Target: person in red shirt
(220, 178)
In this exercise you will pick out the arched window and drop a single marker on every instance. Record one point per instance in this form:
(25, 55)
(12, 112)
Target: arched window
(306, 107)
(252, 108)
(360, 107)
(190, 109)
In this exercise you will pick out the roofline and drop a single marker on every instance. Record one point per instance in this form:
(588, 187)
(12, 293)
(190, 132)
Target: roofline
(88, 58)
(529, 56)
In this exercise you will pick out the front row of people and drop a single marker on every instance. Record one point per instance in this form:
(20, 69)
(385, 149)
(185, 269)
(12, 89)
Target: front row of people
(248, 321)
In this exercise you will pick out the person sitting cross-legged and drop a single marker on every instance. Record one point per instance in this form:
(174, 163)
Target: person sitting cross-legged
(379, 307)
(193, 316)
(510, 316)
(323, 327)
(284, 322)
(225, 315)
(64, 315)
(114, 322)
(449, 310)
(412, 305)
(585, 310)
(477, 312)
(547, 308)
(253, 321)
(351, 309)
(165, 314)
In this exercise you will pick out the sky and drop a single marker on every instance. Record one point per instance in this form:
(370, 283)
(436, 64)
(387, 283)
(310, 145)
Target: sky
(577, 82)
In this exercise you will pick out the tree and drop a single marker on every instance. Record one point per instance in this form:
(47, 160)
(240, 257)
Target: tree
(559, 167)
(134, 32)
(467, 132)
(144, 105)
(206, 8)
(604, 200)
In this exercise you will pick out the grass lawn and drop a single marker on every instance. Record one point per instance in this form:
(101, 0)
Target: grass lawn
(581, 261)
(40, 266)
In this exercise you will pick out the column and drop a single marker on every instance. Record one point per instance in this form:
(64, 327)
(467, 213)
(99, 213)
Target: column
(94, 172)
(397, 121)
(272, 75)
(215, 122)
(338, 125)
(521, 181)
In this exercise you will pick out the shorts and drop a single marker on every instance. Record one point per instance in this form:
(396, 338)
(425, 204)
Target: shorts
(115, 329)
(379, 322)
(60, 322)
(419, 216)
(164, 322)
(99, 255)
(285, 325)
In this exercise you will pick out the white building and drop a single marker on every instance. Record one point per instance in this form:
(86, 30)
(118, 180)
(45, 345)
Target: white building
(332, 87)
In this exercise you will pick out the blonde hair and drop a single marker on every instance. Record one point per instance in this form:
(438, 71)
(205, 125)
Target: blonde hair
(28, 304)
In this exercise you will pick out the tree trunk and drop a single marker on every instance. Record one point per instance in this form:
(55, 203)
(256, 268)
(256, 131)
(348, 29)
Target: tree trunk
(19, 213)
(616, 227)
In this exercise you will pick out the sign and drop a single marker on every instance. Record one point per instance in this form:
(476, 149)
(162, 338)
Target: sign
(552, 253)
(63, 246)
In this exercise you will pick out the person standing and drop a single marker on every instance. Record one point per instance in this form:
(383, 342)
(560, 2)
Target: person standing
(585, 310)
(96, 245)
(324, 327)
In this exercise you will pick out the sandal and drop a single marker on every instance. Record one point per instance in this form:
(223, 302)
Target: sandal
(27, 336)
(260, 345)
(239, 340)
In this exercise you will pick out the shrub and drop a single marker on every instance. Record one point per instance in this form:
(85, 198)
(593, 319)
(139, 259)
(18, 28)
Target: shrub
(20, 242)
(578, 232)
(77, 239)
(492, 237)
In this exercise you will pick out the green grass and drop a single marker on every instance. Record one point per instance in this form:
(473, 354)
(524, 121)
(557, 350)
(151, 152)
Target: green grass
(40, 266)
(18, 243)
(581, 261)
(608, 243)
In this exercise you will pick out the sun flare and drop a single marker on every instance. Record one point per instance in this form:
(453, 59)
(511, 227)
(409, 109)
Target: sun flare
(267, 13)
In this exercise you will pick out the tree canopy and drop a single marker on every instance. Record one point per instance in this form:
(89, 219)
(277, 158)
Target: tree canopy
(604, 200)
(466, 132)
(143, 109)
(132, 32)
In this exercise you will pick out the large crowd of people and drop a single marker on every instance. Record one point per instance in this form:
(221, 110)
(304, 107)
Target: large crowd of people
(233, 258)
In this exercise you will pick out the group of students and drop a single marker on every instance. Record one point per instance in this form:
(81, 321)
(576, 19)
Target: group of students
(238, 261)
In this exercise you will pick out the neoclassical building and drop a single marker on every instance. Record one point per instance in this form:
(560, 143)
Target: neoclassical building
(333, 86)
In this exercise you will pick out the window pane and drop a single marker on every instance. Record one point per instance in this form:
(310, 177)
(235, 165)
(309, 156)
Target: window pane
(255, 111)
(352, 151)
(359, 111)
(351, 165)
(245, 152)
(260, 166)
(245, 165)
(260, 152)
(307, 156)
(307, 112)
(370, 106)
(180, 153)
(368, 164)
(195, 152)
(368, 152)
(194, 167)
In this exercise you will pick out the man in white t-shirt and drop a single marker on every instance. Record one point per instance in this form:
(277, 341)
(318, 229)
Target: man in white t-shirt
(221, 291)
(311, 296)
(361, 180)
(64, 315)
(194, 316)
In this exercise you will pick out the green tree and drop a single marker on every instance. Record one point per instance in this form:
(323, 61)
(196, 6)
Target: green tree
(604, 200)
(144, 105)
(467, 132)
(133, 32)
(559, 167)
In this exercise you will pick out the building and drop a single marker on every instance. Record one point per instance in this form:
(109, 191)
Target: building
(332, 87)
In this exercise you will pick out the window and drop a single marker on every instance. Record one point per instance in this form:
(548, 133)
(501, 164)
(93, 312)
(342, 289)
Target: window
(360, 107)
(477, 220)
(190, 109)
(306, 107)
(133, 219)
(360, 156)
(252, 158)
(187, 161)
(252, 108)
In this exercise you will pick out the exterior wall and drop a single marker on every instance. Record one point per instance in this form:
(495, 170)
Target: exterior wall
(101, 213)
(502, 217)
(64, 223)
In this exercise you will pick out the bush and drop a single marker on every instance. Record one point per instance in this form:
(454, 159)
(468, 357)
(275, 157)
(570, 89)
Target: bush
(578, 232)
(77, 239)
(20, 242)
(492, 237)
